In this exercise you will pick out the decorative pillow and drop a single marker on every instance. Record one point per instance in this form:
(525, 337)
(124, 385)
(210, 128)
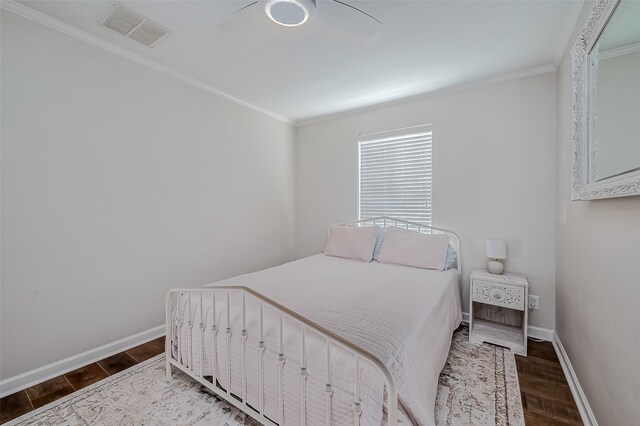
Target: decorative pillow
(352, 242)
(450, 260)
(411, 248)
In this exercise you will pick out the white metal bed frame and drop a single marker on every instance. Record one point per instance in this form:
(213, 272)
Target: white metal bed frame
(240, 401)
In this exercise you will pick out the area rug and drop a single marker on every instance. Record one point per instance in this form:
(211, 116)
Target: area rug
(478, 386)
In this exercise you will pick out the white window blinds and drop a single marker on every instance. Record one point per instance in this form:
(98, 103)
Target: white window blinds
(395, 174)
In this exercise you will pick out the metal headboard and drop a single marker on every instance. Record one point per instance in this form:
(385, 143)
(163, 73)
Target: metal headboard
(386, 221)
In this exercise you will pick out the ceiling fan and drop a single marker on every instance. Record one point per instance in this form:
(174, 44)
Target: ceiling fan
(294, 13)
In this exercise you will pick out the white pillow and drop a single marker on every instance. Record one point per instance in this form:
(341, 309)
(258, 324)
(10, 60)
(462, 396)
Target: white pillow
(352, 242)
(411, 248)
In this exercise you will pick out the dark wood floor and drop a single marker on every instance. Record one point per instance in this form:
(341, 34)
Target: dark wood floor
(546, 397)
(22, 402)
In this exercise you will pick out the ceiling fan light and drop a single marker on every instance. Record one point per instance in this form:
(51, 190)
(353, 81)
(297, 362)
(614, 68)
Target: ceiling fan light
(290, 13)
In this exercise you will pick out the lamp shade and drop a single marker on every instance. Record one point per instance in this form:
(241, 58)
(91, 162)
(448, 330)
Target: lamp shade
(496, 248)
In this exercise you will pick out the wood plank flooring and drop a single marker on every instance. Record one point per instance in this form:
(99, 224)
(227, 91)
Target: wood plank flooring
(22, 402)
(546, 397)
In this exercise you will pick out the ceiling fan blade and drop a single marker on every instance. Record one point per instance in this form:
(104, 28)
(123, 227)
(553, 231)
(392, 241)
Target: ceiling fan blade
(244, 7)
(237, 19)
(347, 23)
(359, 10)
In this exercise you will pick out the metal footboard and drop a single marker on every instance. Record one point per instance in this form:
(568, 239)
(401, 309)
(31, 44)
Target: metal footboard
(221, 386)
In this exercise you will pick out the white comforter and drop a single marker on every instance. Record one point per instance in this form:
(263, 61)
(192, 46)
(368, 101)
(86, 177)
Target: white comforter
(403, 315)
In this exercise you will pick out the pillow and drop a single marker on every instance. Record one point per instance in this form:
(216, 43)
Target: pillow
(411, 248)
(379, 241)
(451, 258)
(352, 242)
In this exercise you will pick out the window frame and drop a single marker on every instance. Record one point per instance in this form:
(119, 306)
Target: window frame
(400, 132)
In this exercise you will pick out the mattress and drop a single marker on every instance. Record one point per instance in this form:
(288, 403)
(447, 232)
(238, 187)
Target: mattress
(403, 315)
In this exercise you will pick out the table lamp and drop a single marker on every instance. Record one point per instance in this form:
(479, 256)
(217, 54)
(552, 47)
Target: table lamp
(496, 251)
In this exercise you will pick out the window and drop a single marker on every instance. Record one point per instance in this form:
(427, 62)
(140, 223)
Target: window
(395, 174)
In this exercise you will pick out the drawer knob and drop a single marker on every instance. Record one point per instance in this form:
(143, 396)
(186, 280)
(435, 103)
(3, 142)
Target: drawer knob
(497, 295)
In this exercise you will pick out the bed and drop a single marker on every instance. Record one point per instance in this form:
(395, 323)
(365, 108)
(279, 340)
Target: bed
(321, 340)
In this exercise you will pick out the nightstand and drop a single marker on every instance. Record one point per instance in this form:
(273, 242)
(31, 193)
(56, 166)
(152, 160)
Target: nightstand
(498, 312)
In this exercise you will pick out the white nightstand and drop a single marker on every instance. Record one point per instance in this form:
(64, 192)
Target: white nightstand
(498, 313)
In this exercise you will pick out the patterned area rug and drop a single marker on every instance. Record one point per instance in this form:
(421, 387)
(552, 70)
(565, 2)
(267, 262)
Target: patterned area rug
(478, 386)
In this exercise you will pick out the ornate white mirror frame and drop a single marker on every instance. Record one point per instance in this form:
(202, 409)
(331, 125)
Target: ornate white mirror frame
(584, 140)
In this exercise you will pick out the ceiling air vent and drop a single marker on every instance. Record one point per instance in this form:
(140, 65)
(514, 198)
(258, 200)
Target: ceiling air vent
(135, 26)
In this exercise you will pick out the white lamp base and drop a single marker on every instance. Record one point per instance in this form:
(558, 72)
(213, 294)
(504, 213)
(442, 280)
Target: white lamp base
(495, 267)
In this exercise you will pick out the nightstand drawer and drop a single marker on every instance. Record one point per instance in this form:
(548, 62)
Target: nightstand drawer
(497, 294)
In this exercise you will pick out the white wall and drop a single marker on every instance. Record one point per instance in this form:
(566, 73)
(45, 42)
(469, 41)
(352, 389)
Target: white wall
(494, 174)
(118, 183)
(597, 281)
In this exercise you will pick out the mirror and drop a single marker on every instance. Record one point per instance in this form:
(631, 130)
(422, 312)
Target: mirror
(606, 77)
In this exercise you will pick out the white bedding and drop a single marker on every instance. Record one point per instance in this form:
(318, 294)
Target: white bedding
(401, 314)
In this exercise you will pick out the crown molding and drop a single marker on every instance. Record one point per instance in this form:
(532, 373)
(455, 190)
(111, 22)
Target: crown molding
(70, 30)
(619, 51)
(528, 72)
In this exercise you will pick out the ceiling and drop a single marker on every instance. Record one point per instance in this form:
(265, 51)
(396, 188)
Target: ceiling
(323, 68)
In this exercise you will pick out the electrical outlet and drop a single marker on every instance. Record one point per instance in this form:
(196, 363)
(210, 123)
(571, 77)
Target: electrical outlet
(534, 302)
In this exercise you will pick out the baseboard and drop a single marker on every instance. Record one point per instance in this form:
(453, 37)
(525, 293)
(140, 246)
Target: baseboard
(39, 375)
(540, 333)
(576, 390)
(535, 332)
